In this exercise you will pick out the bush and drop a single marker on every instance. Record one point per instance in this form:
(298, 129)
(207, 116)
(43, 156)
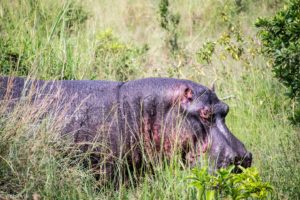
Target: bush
(280, 37)
(115, 59)
(169, 22)
(225, 183)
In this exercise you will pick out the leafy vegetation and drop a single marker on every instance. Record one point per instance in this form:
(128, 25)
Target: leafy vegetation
(117, 59)
(122, 40)
(281, 42)
(225, 183)
(169, 22)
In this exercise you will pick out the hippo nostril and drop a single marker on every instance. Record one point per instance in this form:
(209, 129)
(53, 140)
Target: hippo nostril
(237, 160)
(247, 161)
(231, 160)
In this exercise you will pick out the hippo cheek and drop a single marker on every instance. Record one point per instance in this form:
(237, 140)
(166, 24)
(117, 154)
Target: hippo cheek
(194, 156)
(221, 153)
(243, 158)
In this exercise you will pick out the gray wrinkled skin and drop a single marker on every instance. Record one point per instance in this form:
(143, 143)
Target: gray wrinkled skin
(128, 115)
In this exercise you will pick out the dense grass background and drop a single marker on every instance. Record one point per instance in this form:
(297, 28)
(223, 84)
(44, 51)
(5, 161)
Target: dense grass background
(123, 40)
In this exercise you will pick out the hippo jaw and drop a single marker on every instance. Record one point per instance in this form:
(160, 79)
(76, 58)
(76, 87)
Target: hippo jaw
(225, 148)
(219, 143)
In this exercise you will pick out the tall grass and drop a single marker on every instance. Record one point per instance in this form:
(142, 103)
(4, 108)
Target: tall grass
(122, 40)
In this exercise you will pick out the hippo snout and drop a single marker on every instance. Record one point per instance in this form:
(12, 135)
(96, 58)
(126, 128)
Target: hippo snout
(233, 158)
(244, 161)
(228, 158)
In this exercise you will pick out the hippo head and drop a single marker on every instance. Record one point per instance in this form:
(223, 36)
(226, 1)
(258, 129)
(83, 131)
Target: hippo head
(206, 113)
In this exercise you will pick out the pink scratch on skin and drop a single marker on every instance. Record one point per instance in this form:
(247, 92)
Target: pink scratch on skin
(204, 145)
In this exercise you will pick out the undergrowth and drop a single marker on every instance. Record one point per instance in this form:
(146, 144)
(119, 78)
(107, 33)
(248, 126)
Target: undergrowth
(226, 184)
(123, 40)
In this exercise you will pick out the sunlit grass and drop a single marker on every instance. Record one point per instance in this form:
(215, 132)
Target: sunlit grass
(59, 40)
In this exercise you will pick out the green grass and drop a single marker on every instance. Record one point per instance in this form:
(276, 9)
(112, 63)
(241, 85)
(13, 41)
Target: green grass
(123, 40)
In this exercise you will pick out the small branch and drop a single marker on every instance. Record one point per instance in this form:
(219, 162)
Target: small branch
(228, 97)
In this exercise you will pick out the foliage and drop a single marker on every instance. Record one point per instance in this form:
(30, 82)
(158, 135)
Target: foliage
(280, 37)
(169, 22)
(205, 53)
(225, 183)
(117, 59)
(81, 39)
(234, 47)
(232, 43)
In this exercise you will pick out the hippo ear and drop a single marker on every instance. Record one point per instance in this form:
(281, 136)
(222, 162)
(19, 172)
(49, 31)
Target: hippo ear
(182, 94)
(213, 86)
(187, 96)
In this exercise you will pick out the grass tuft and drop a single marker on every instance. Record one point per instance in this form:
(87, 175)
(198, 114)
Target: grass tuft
(124, 40)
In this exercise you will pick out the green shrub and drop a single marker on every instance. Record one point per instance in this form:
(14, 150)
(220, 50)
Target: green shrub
(232, 43)
(204, 54)
(225, 183)
(280, 37)
(115, 59)
(169, 22)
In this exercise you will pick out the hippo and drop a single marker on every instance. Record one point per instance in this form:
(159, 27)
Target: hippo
(136, 120)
